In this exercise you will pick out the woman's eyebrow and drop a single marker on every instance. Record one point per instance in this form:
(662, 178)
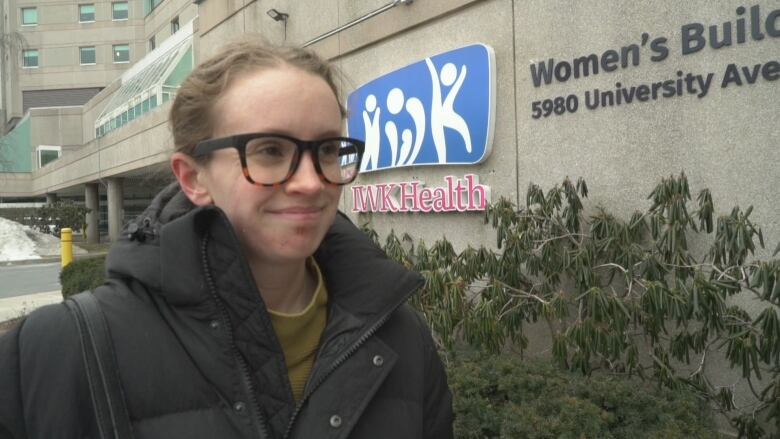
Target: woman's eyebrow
(335, 133)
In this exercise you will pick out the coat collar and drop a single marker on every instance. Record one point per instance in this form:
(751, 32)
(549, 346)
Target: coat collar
(162, 249)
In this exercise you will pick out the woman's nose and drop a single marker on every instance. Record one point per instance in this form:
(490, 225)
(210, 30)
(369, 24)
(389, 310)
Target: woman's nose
(305, 179)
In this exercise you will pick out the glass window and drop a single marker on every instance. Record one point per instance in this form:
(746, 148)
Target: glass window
(149, 5)
(86, 13)
(152, 43)
(119, 11)
(29, 16)
(30, 58)
(121, 52)
(47, 154)
(174, 25)
(87, 55)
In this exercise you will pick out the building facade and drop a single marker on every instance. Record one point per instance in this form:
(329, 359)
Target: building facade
(619, 93)
(60, 54)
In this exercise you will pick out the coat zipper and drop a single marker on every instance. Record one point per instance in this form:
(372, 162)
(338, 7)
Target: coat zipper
(254, 406)
(344, 357)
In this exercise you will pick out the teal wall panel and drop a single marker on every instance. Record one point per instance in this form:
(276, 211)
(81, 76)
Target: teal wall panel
(15, 149)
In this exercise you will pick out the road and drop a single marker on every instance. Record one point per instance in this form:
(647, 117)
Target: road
(20, 280)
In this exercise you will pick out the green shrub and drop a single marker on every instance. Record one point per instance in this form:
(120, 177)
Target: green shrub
(51, 218)
(502, 397)
(84, 274)
(625, 293)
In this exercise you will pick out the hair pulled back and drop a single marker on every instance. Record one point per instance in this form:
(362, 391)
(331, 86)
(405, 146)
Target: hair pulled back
(191, 116)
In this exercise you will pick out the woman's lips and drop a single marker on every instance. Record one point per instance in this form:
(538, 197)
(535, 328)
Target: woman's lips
(299, 213)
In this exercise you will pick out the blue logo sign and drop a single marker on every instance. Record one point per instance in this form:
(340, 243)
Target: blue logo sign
(438, 111)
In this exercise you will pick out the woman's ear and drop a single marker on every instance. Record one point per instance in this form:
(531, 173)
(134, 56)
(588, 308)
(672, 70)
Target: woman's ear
(190, 176)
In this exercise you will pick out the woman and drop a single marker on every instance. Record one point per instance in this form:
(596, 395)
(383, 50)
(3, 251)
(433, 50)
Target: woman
(241, 303)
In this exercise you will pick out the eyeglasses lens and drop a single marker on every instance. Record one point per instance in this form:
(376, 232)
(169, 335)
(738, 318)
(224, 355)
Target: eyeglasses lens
(269, 159)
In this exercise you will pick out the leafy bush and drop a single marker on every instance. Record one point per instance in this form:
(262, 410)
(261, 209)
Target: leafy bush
(81, 275)
(51, 218)
(503, 398)
(623, 296)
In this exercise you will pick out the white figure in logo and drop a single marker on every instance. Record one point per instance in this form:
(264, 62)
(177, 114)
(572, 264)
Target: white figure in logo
(395, 102)
(410, 145)
(371, 125)
(415, 109)
(443, 112)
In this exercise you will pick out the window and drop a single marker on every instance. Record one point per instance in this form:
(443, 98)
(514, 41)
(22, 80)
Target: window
(86, 13)
(119, 11)
(48, 154)
(29, 16)
(174, 25)
(121, 53)
(152, 44)
(150, 5)
(30, 58)
(87, 55)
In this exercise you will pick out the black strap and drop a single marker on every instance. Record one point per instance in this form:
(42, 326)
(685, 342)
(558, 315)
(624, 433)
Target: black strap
(100, 361)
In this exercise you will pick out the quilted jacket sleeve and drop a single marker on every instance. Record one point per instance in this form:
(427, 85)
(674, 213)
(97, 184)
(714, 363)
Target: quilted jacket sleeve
(43, 386)
(11, 413)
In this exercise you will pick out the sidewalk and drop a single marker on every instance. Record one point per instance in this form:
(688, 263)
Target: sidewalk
(50, 259)
(13, 307)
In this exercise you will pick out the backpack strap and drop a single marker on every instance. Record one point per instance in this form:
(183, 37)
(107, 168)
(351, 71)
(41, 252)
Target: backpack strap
(97, 350)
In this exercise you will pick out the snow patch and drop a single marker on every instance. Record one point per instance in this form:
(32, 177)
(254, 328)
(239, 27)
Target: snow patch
(19, 242)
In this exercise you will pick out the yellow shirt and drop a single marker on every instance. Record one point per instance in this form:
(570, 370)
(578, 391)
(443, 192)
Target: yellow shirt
(299, 334)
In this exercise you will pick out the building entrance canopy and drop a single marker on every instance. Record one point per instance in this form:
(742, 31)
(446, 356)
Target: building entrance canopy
(149, 83)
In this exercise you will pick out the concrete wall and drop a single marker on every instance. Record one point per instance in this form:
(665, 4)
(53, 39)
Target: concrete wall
(12, 62)
(726, 140)
(3, 67)
(58, 36)
(142, 143)
(158, 22)
(55, 127)
(15, 184)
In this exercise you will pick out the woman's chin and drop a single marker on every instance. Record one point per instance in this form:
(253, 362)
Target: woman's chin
(289, 251)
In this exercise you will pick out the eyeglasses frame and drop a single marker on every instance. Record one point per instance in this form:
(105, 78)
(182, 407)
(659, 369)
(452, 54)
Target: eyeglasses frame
(239, 142)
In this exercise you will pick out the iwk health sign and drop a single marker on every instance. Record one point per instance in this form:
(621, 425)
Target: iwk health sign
(438, 111)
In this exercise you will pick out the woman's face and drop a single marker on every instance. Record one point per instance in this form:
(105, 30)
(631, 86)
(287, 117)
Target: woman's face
(275, 224)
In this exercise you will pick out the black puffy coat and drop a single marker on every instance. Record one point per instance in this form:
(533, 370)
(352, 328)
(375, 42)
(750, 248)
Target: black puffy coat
(197, 354)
